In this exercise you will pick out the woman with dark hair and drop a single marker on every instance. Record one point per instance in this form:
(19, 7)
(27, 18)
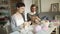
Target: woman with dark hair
(33, 16)
(33, 9)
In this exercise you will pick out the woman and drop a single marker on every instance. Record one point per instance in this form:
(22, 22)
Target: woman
(33, 12)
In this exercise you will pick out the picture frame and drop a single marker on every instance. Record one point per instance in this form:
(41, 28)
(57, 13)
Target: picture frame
(55, 7)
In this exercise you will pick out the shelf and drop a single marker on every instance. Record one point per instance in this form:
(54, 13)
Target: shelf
(4, 5)
(4, 1)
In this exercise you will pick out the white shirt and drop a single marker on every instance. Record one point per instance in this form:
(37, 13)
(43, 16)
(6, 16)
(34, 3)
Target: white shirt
(16, 20)
(32, 13)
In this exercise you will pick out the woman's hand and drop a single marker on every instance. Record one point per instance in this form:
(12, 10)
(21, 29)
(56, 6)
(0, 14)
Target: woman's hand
(26, 24)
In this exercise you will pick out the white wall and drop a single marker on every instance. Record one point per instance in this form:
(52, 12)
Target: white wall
(27, 7)
(46, 4)
(59, 5)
